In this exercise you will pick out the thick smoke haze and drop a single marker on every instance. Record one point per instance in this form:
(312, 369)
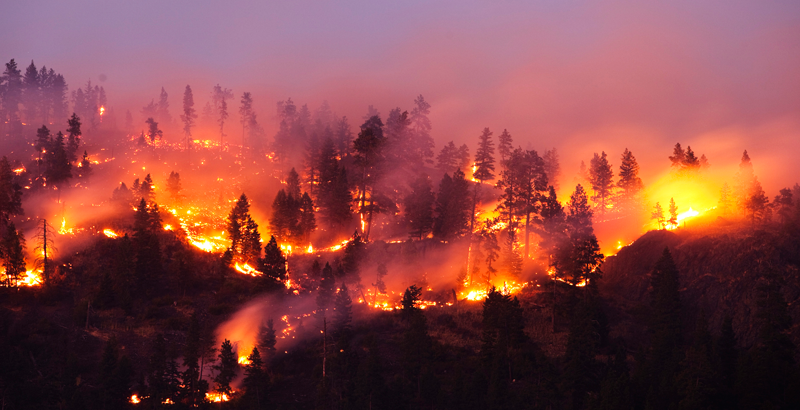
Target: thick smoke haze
(578, 76)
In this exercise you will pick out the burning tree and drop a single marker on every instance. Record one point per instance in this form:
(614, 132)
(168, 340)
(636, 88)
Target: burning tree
(368, 153)
(45, 249)
(12, 247)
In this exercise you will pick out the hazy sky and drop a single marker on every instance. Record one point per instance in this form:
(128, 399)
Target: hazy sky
(721, 76)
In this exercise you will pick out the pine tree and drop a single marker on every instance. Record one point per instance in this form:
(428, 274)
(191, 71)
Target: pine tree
(273, 265)
(162, 113)
(601, 178)
(419, 208)
(12, 94)
(58, 169)
(743, 182)
(343, 137)
(368, 155)
(256, 381)
(267, 339)
(85, 166)
(757, 202)
(193, 386)
(245, 114)
(420, 124)
(484, 157)
(189, 114)
(678, 156)
(237, 223)
(354, 253)
(343, 316)
(690, 162)
(162, 377)
(12, 250)
(226, 368)
(658, 216)
(448, 159)
(219, 96)
(307, 223)
(504, 146)
(452, 207)
(174, 185)
(629, 184)
(552, 167)
(673, 213)
(153, 132)
(10, 192)
(31, 93)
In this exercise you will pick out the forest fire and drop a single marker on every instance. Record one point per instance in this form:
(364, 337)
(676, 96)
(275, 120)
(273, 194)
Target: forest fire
(226, 247)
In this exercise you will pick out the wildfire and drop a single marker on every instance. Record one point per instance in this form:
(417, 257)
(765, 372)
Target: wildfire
(19, 170)
(247, 269)
(217, 397)
(135, 399)
(29, 278)
(110, 233)
(64, 230)
(244, 361)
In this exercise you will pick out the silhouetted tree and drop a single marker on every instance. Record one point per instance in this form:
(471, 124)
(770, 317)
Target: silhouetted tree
(256, 381)
(552, 167)
(601, 178)
(452, 207)
(629, 184)
(162, 376)
(273, 265)
(419, 207)
(10, 192)
(189, 114)
(12, 247)
(504, 146)
(226, 368)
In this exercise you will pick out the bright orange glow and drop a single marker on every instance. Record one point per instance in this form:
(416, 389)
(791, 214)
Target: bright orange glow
(110, 233)
(217, 397)
(135, 399)
(244, 361)
(247, 269)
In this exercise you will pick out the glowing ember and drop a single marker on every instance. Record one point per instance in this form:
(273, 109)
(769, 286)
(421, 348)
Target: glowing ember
(110, 233)
(19, 170)
(135, 399)
(244, 361)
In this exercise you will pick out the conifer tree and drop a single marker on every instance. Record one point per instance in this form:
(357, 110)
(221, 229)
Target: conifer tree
(74, 137)
(673, 213)
(12, 250)
(658, 216)
(629, 184)
(267, 339)
(420, 125)
(256, 381)
(504, 146)
(237, 223)
(552, 167)
(273, 265)
(162, 113)
(743, 182)
(484, 157)
(219, 96)
(85, 166)
(368, 153)
(601, 178)
(10, 192)
(193, 386)
(343, 316)
(245, 114)
(308, 222)
(419, 208)
(678, 156)
(343, 137)
(448, 161)
(226, 368)
(174, 185)
(153, 132)
(189, 114)
(354, 253)
(452, 207)
(757, 202)
(162, 375)
(58, 169)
